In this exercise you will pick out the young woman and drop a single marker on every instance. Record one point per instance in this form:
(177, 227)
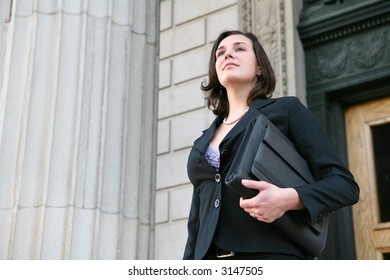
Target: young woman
(223, 225)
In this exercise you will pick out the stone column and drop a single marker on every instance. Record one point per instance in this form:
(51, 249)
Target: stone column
(78, 129)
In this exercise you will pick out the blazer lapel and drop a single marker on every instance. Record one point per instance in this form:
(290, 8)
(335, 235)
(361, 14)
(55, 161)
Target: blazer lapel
(253, 112)
(202, 142)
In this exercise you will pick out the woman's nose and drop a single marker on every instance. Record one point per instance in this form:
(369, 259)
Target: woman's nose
(228, 54)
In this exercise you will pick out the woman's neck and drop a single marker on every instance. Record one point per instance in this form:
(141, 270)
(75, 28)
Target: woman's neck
(238, 101)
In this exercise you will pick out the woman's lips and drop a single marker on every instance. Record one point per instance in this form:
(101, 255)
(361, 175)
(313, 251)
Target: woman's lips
(229, 64)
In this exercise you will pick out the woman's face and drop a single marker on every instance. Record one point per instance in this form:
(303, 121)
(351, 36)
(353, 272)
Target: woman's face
(236, 61)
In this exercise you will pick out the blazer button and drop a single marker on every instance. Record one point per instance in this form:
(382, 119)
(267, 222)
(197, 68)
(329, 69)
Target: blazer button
(217, 178)
(216, 203)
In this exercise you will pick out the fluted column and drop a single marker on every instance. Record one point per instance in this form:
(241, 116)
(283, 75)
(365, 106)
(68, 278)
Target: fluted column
(77, 129)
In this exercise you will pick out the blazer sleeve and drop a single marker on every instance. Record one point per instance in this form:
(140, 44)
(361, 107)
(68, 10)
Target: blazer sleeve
(192, 227)
(334, 185)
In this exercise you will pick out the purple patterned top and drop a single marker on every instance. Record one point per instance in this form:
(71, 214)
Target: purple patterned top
(212, 157)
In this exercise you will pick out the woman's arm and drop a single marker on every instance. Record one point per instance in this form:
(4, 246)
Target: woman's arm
(334, 185)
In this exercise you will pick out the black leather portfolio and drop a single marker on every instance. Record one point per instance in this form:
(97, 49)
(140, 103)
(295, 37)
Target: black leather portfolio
(265, 154)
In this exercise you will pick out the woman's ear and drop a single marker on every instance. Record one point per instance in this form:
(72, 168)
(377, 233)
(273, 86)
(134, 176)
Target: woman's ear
(258, 73)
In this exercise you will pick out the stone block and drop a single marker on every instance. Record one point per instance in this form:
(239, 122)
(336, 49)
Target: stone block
(165, 74)
(120, 12)
(107, 241)
(83, 234)
(6, 222)
(172, 169)
(186, 128)
(185, 10)
(170, 240)
(47, 6)
(165, 14)
(138, 20)
(25, 233)
(223, 20)
(5, 13)
(24, 8)
(72, 6)
(98, 8)
(190, 65)
(180, 202)
(54, 233)
(131, 244)
(164, 131)
(181, 38)
(181, 98)
(162, 207)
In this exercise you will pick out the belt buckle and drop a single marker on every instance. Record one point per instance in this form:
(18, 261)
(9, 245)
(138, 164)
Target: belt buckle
(223, 254)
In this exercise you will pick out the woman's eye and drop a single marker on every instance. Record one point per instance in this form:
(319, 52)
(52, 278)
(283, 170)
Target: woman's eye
(239, 49)
(220, 54)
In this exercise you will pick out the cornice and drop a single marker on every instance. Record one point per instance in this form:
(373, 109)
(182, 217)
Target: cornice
(345, 22)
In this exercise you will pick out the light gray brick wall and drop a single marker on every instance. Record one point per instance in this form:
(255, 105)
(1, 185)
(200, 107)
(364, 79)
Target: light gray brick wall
(187, 31)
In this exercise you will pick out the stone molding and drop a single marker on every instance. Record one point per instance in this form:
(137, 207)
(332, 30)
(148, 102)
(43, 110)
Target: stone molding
(352, 56)
(344, 31)
(353, 42)
(266, 19)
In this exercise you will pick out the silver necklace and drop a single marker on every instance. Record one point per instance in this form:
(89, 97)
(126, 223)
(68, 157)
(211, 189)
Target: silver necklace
(236, 120)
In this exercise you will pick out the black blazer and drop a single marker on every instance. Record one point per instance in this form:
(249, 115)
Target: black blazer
(215, 215)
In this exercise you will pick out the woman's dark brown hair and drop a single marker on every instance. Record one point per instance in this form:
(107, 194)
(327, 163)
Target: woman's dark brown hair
(215, 93)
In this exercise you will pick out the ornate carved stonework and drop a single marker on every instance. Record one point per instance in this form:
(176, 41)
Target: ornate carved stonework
(265, 18)
(344, 31)
(370, 50)
(348, 44)
(345, 58)
(245, 10)
(318, 8)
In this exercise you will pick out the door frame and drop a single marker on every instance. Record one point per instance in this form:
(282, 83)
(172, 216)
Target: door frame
(372, 239)
(329, 106)
(347, 62)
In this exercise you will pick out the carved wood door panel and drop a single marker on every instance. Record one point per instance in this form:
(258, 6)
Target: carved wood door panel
(368, 141)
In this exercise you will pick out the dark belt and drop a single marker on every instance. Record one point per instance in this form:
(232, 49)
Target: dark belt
(221, 253)
(216, 253)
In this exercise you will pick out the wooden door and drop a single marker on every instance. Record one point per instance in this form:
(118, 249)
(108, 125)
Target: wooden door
(368, 141)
